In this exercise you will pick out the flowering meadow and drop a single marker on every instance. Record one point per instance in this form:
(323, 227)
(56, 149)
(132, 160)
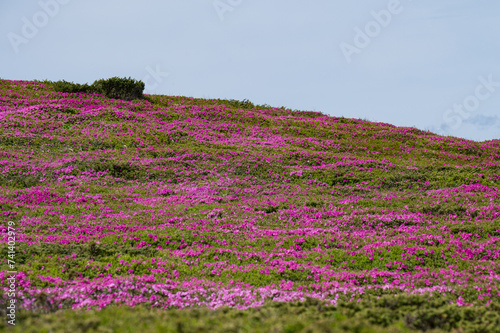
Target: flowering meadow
(172, 205)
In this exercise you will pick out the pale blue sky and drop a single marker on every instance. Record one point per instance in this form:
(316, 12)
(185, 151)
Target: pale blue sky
(408, 68)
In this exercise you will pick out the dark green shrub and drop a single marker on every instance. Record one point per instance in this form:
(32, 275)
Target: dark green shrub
(70, 87)
(119, 88)
(314, 204)
(19, 180)
(25, 253)
(441, 209)
(115, 87)
(235, 104)
(271, 209)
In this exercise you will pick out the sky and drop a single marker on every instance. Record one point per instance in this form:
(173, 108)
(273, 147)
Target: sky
(434, 65)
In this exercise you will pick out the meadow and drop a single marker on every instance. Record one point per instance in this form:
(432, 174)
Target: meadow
(178, 214)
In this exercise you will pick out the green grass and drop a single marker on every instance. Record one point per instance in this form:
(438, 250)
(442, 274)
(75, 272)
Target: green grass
(388, 313)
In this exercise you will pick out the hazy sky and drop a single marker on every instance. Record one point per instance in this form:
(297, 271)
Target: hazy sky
(430, 64)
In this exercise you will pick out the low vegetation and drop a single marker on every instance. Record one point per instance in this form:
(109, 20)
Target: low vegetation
(177, 214)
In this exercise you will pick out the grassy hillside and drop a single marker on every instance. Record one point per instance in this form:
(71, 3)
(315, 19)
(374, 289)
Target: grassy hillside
(161, 210)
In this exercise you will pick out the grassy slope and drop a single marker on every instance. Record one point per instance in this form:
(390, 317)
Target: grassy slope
(385, 180)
